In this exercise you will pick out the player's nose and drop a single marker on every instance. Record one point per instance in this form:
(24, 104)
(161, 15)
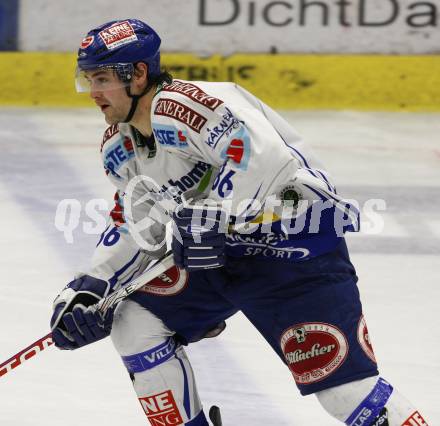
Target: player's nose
(95, 94)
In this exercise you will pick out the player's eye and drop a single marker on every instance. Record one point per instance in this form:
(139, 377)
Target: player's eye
(102, 80)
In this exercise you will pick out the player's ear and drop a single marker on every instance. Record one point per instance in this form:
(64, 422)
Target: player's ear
(140, 72)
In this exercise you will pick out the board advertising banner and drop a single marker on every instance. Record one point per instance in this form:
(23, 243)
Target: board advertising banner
(225, 27)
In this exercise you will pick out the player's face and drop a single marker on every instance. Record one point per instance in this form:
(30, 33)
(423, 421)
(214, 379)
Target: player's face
(109, 96)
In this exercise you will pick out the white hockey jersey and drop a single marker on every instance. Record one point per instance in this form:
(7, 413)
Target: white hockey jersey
(220, 139)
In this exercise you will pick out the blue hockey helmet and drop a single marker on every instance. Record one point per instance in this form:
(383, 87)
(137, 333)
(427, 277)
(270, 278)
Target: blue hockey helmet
(118, 45)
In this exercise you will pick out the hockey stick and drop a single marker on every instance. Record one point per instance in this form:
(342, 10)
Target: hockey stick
(162, 265)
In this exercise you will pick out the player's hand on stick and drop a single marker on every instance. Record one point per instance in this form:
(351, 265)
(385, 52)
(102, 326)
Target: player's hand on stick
(199, 236)
(75, 322)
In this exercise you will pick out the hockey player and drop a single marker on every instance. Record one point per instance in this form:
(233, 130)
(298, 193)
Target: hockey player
(257, 227)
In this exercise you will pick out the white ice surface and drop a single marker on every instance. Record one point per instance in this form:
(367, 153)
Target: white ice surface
(49, 155)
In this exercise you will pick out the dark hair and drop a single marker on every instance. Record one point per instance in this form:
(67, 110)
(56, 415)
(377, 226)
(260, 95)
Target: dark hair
(163, 77)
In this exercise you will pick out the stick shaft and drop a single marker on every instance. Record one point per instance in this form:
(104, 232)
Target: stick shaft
(25, 354)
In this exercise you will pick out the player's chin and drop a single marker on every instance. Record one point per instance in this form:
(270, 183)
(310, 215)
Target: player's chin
(111, 118)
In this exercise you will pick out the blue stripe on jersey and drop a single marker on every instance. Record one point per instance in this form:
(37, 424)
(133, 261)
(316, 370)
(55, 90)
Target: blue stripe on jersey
(306, 166)
(329, 186)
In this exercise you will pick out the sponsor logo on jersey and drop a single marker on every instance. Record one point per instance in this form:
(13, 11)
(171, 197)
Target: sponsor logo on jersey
(239, 150)
(117, 213)
(194, 93)
(170, 136)
(178, 186)
(161, 409)
(87, 41)
(364, 339)
(263, 240)
(243, 245)
(415, 419)
(118, 34)
(169, 283)
(222, 129)
(313, 351)
(180, 112)
(294, 253)
(109, 133)
(117, 154)
(235, 150)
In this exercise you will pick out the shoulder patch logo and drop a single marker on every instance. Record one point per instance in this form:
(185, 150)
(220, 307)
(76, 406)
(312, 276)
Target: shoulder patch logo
(195, 93)
(173, 109)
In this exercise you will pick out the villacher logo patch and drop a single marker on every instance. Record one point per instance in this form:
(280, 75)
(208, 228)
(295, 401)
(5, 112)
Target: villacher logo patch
(313, 351)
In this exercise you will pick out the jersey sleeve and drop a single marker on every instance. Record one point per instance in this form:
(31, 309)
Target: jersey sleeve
(124, 251)
(117, 257)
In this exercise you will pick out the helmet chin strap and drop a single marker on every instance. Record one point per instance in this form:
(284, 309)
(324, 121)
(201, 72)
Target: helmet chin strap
(135, 101)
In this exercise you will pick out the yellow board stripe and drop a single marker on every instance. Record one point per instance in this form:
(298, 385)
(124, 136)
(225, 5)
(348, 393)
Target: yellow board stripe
(363, 82)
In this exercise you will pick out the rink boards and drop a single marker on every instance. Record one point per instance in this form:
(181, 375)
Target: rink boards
(361, 82)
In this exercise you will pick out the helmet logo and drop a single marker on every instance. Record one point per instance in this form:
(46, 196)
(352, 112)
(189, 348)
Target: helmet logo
(87, 41)
(118, 34)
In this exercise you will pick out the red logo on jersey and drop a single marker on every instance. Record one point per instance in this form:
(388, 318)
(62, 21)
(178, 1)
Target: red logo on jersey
(171, 282)
(182, 113)
(415, 419)
(364, 339)
(110, 132)
(235, 150)
(128, 144)
(313, 351)
(161, 409)
(87, 42)
(117, 213)
(181, 136)
(195, 93)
